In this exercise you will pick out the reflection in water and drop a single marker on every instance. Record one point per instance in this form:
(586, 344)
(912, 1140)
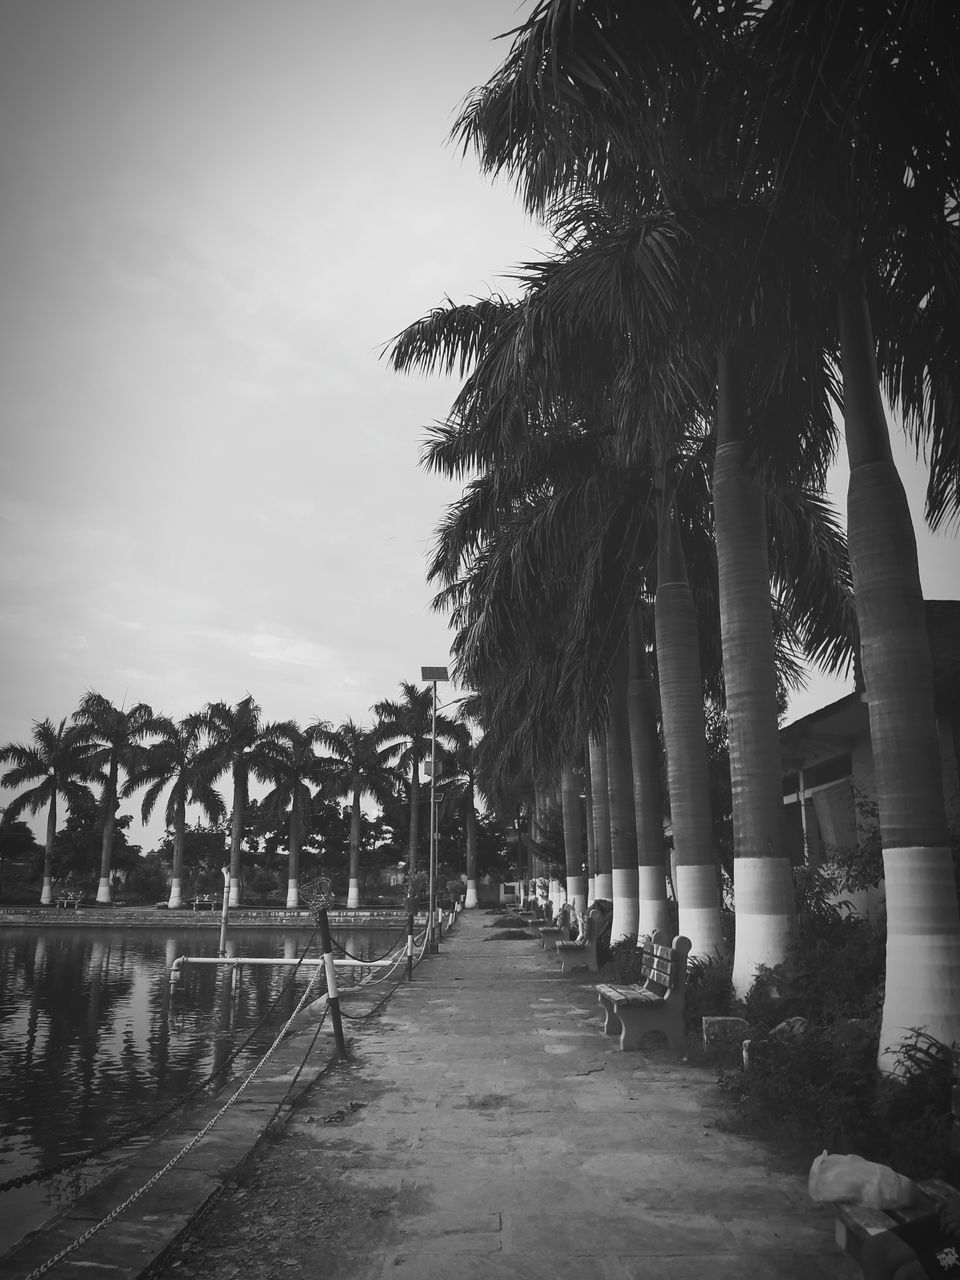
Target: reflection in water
(92, 1039)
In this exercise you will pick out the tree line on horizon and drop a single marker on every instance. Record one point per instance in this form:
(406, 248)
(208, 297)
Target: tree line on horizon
(127, 750)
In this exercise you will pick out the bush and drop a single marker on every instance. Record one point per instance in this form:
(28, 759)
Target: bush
(708, 991)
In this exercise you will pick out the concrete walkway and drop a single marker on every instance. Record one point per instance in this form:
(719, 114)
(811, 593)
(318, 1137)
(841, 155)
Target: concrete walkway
(485, 1128)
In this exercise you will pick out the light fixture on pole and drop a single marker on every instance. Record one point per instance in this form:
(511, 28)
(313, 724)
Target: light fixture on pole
(434, 675)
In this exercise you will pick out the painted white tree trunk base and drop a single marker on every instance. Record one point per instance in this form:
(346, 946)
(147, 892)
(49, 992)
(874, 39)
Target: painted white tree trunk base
(654, 914)
(557, 895)
(603, 887)
(763, 896)
(470, 901)
(293, 894)
(103, 890)
(699, 909)
(591, 889)
(353, 894)
(577, 892)
(176, 890)
(234, 891)
(923, 950)
(626, 904)
(46, 893)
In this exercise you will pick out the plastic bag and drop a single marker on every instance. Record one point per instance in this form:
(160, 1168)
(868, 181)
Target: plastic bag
(853, 1180)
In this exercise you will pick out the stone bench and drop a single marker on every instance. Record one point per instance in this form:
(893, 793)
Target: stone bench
(581, 951)
(561, 930)
(855, 1224)
(656, 1003)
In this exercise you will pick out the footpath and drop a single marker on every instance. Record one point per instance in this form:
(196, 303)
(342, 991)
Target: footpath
(483, 1127)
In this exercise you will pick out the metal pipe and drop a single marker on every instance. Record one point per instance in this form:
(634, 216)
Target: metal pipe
(431, 892)
(226, 910)
(333, 995)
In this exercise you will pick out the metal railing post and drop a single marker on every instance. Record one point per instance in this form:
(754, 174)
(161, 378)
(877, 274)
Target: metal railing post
(333, 993)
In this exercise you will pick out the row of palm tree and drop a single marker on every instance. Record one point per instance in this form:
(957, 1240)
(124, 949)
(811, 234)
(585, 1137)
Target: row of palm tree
(754, 208)
(126, 750)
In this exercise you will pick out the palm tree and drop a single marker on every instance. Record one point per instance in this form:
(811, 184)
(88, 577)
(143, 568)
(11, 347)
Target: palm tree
(235, 743)
(354, 766)
(573, 837)
(879, 190)
(653, 915)
(458, 791)
(868, 195)
(111, 736)
(292, 765)
(57, 761)
(176, 759)
(407, 726)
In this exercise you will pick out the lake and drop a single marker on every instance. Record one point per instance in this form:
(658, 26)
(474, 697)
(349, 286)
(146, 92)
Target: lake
(93, 1039)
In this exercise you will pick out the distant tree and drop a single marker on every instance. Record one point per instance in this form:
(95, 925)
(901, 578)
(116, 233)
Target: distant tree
(292, 765)
(405, 728)
(58, 762)
(354, 766)
(236, 747)
(78, 847)
(17, 845)
(111, 736)
(175, 759)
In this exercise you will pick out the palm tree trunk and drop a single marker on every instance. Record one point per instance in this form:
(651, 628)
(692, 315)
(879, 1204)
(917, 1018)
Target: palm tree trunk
(109, 825)
(653, 912)
(293, 852)
(923, 923)
(623, 814)
(572, 842)
(236, 829)
(681, 697)
(353, 893)
(603, 888)
(591, 838)
(763, 884)
(179, 829)
(46, 893)
(470, 822)
(414, 814)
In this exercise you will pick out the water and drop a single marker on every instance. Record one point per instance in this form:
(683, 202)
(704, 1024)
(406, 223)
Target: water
(91, 1039)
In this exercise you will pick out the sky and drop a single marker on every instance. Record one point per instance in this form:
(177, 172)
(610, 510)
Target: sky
(213, 216)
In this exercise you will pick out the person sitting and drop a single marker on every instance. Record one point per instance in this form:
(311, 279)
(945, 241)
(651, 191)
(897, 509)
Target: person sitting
(926, 1247)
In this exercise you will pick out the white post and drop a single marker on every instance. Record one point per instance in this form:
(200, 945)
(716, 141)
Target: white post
(226, 910)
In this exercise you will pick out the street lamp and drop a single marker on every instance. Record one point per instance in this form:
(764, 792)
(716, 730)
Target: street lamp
(434, 675)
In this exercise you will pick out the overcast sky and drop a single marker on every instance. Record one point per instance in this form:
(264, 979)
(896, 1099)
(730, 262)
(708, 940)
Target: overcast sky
(213, 214)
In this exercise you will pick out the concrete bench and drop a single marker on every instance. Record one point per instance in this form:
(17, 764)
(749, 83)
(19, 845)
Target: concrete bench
(561, 930)
(656, 1003)
(581, 952)
(65, 900)
(855, 1224)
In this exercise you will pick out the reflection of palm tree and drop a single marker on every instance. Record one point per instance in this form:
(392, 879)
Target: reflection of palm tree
(175, 757)
(235, 735)
(291, 764)
(354, 767)
(406, 725)
(56, 760)
(111, 736)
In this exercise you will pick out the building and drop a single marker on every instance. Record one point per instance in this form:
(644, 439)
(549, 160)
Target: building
(829, 792)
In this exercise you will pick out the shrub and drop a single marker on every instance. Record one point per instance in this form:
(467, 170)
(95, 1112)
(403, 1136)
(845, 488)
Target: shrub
(912, 1114)
(708, 990)
(819, 1084)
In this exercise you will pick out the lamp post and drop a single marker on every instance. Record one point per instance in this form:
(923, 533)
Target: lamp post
(434, 675)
